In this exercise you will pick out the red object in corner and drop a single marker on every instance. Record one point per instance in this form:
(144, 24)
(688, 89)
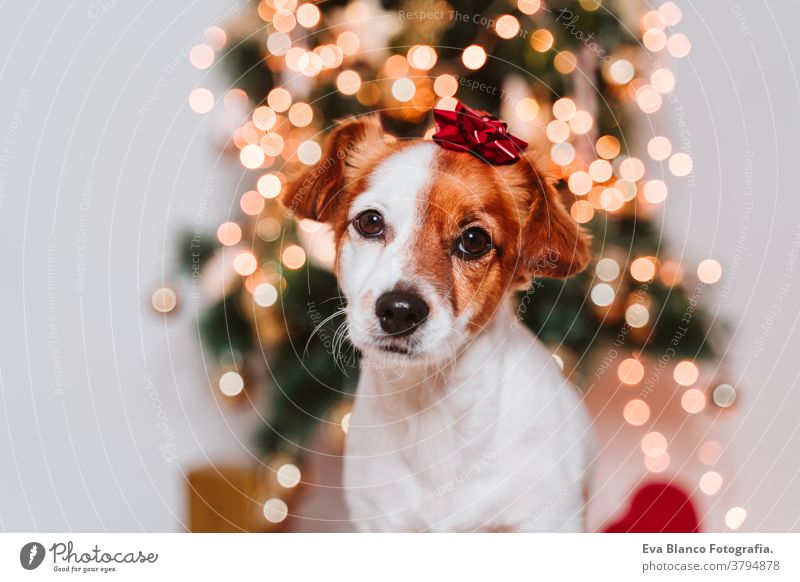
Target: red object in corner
(658, 508)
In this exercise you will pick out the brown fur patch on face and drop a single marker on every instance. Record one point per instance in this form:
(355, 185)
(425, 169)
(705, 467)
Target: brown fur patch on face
(532, 234)
(466, 192)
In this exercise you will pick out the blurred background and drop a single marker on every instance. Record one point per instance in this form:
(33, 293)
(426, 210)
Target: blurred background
(166, 362)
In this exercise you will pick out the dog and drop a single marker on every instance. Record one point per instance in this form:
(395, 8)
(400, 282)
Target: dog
(462, 420)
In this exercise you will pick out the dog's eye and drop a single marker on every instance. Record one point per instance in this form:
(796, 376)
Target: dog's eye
(369, 223)
(474, 243)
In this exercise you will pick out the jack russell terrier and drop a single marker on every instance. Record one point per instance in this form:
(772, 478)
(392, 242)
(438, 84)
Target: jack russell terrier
(462, 419)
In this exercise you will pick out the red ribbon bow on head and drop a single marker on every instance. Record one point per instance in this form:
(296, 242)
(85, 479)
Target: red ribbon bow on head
(478, 133)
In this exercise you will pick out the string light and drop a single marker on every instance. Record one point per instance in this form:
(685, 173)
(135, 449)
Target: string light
(252, 156)
(562, 154)
(671, 272)
(236, 99)
(663, 80)
(284, 21)
(279, 99)
(670, 13)
(621, 71)
(636, 412)
(659, 148)
(251, 203)
(724, 395)
(648, 99)
(345, 424)
(528, 6)
(686, 373)
(564, 109)
(301, 114)
(580, 183)
(557, 131)
(445, 85)
(269, 185)
(711, 482)
(581, 122)
(565, 62)
(201, 100)
(164, 300)
(678, 45)
(630, 371)
(348, 42)
(652, 19)
(268, 229)
(473, 57)
(264, 118)
(279, 44)
(215, 37)
(611, 199)
(709, 271)
(654, 39)
(288, 475)
(600, 170)
(231, 384)
(245, 263)
(265, 295)
(582, 212)
(643, 269)
(657, 464)
(403, 89)
(422, 57)
(293, 257)
(636, 315)
(308, 15)
(680, 164)
(201, 56)
(506, 26)
(607, 147)
(709, 452)
(693, 401)
(275, 510)
(541, 40)
(631, 169)
(229, 233)
(272, 144)
(654, 444)
(348, 82)
(735, 517)
(607, 269)
(655, 191)
(526, 109)
(309, 152)
(602, 294)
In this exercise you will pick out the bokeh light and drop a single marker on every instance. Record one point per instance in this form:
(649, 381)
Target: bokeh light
(686, 373)
(630, 371)
(636, 412)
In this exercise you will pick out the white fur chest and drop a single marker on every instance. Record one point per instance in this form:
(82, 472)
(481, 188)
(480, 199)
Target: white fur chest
(495, 443)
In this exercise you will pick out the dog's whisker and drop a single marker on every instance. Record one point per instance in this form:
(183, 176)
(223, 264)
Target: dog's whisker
(320, 325)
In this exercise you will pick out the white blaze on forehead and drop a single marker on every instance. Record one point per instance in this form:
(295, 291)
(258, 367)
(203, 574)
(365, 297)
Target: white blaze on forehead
(396, 184)
(394, 189)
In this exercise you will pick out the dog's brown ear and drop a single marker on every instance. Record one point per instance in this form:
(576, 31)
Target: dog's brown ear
(553, 245)
(315, 192)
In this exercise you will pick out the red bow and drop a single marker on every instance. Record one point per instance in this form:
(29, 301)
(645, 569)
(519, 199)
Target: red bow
(477, 132)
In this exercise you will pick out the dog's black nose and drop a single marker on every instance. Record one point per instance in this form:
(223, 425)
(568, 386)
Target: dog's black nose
(400, 312)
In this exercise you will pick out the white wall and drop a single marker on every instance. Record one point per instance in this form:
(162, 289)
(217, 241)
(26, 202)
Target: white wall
(97, 143)
(740, 95)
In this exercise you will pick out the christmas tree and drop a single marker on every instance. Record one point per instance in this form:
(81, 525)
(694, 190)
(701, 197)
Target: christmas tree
(574, 79)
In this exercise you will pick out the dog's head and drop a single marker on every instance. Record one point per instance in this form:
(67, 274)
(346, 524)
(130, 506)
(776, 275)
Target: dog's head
(429, 240)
